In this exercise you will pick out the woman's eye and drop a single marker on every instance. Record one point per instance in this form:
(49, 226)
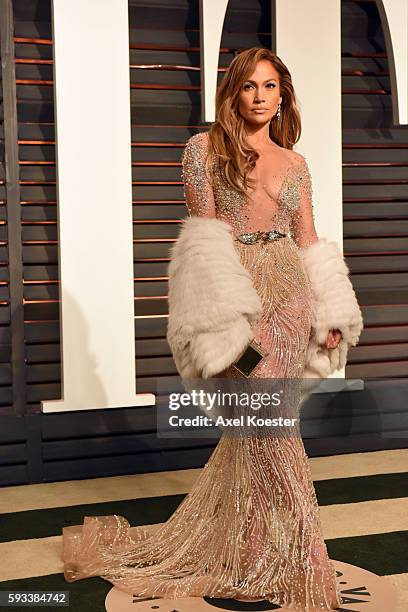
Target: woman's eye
(268, 85)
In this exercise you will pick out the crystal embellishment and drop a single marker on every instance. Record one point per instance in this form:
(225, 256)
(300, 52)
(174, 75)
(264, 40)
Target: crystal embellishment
(253, 237)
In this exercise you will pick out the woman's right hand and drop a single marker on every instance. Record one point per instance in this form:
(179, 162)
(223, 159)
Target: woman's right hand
(333, 339)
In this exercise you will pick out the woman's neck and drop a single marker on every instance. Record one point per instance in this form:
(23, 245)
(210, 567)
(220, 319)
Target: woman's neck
(258, 136)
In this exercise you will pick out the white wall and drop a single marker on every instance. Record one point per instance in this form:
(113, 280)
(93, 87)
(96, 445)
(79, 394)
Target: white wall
(92, 106)
(309, 43)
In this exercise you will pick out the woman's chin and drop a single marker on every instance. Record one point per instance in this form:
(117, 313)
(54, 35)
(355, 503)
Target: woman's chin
(257, 120)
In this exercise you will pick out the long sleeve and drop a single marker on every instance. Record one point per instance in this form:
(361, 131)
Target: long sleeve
(302, 227)
(335, 302)
(207, 330)
(198, 192)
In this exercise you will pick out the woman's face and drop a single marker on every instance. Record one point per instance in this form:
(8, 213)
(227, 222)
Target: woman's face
(260, 95)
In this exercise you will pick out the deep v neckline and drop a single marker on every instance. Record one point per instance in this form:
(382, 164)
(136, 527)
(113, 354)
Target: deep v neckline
(268, 169)
(290, 175)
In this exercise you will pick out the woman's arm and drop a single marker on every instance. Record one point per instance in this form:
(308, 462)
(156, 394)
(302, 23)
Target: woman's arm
(198, 192)
(302, 227)
(212, 300)
(303, 230)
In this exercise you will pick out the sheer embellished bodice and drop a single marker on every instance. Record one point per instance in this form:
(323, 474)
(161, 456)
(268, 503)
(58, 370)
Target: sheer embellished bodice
(281, 199)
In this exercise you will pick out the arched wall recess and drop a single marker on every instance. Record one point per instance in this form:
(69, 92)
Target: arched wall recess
(394, 19)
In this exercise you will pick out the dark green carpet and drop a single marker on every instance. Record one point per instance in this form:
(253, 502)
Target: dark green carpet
(44, 523)
(382, 554)
(361, 488)
(150, 510)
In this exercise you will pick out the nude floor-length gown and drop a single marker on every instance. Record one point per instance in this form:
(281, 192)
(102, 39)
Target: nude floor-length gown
(250, 526)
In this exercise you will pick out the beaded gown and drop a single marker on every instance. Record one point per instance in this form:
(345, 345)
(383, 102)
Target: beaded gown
(250, 527)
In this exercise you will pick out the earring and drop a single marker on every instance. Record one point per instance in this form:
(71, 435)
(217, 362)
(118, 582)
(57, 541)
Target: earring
(278, 114)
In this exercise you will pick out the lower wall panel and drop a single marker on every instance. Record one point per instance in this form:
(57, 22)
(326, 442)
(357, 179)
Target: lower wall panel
(55, 447)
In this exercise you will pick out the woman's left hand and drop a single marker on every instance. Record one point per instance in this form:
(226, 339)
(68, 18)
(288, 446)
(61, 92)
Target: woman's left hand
(333, 339)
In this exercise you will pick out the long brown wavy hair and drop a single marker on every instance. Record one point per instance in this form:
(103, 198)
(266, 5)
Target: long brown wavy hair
(227, 140)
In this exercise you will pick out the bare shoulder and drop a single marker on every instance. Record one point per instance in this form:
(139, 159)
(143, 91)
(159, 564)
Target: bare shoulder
(297, 158)
(300, 165)
(292, 157)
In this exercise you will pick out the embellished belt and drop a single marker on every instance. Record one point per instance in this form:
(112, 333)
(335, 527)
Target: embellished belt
(255, 236)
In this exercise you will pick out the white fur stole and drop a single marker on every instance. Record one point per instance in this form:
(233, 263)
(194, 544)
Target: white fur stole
(212, 301)
(336, 307)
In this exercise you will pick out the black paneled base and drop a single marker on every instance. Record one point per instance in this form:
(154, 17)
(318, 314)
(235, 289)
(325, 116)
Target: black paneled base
(91, 444)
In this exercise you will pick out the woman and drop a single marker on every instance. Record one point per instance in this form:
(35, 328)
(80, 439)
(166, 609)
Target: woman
(250, 528)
